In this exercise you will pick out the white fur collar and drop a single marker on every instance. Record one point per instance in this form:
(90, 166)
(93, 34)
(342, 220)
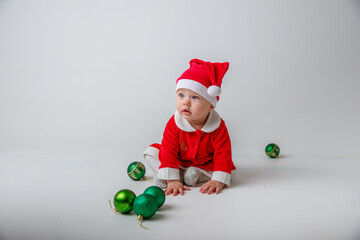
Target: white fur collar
(212, 123)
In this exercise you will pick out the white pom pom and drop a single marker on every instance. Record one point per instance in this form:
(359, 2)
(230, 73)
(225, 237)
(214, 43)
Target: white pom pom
(214, 91)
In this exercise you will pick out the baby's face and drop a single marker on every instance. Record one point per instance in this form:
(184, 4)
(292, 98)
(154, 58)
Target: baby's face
(192, 106)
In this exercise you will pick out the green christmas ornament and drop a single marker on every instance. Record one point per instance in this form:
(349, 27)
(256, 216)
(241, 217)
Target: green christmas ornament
(136, 170)
(124, 200)
(272, 150)
(145, 206)
(158, 193)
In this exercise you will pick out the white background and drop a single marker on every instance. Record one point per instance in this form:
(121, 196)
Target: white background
(85, 86)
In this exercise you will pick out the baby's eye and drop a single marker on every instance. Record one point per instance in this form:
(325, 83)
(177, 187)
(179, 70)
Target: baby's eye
(181, 95)
(195, 97)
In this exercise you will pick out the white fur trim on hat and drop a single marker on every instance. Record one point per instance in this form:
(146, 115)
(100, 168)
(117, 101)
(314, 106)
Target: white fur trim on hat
(196, 87)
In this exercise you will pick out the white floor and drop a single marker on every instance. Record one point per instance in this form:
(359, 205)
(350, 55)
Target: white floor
(62, 195)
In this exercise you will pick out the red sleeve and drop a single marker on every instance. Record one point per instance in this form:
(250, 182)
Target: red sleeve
(169, 146)
(222, 146)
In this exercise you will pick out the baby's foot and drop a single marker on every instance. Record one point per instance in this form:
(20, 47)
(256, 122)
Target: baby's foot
(191, 176)
(203, 178)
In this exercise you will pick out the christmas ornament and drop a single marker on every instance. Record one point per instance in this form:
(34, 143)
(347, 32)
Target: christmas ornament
(158, 193)
(136, 170)
(124, 200)
(145, 206)
(272, 150)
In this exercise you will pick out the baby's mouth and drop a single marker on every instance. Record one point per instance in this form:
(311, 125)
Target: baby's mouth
(186, 112)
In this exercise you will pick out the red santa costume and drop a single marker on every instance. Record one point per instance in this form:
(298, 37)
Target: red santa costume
(208, 149)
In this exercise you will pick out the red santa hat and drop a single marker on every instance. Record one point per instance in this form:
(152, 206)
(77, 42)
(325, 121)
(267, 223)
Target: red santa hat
(204, 78)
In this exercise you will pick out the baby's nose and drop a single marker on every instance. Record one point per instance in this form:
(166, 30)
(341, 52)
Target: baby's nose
(186, 101)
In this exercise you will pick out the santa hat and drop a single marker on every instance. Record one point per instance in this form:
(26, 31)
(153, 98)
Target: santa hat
(204, 78)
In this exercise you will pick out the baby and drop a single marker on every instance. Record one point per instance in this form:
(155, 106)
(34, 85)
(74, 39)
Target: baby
(196, 146)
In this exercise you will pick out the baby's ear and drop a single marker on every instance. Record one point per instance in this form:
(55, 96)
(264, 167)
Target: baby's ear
(211, 108)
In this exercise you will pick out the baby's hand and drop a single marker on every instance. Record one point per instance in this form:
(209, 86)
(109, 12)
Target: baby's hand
(175, 187)
(211, 186)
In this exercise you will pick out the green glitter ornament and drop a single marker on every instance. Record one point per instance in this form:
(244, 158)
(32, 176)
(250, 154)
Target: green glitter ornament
(145, 206)
(124, 200)
(272, 150)
(158, 193)
(136, 171)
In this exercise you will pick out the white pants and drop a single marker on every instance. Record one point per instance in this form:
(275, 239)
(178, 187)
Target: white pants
(151, 156)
